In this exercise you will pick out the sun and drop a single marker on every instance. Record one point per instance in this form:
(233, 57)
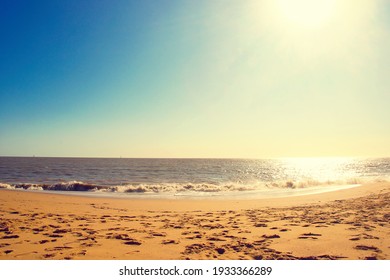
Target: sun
(306, 13)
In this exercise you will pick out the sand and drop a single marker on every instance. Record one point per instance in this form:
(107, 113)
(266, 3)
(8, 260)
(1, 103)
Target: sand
(344, 224)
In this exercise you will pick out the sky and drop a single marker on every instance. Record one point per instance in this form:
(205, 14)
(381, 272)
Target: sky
(206, 78)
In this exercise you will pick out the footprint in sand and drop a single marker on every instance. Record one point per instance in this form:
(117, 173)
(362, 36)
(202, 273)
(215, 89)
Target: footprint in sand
(371, 258)
(11, 236)
(4, 229)
(363, 236)
(215, 239)
(46, 256)
(122, 236)
(82, 253)
(55, 235)
(197, 236)
(271, 236)
(132, 242)
(54, 226)
(367, 248)
(61, 231)
(260, 225)
(220, 250)
(158, 234)
(309, 235)
(171, 241)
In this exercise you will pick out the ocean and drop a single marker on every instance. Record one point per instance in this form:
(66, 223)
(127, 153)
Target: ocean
(197, 178)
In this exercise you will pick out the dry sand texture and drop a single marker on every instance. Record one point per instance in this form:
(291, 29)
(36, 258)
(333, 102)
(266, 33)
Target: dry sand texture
(52, 226)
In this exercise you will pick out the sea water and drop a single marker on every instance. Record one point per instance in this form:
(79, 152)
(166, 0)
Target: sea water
(145, 177)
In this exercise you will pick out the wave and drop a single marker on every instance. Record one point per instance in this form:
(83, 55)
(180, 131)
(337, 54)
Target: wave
(69, 186)
(179, 188)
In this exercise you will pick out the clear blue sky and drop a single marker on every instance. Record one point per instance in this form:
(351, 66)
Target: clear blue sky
(195, 78)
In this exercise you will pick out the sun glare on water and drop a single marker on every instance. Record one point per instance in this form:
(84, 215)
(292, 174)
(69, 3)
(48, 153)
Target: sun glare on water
(321, 169)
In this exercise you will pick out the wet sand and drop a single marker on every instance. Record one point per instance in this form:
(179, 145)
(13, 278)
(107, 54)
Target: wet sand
(346, 224)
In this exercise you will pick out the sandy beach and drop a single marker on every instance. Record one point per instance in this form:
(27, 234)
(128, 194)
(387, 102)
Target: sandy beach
(345, 224)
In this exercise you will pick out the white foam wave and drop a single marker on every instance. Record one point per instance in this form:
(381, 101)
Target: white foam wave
(180, 188)
(6, 186)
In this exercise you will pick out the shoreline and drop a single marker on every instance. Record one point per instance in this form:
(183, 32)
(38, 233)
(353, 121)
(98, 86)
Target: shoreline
(144, 202)
(344, 224)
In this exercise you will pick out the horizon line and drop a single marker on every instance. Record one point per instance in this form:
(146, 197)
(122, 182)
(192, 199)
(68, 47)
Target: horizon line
(242, 158)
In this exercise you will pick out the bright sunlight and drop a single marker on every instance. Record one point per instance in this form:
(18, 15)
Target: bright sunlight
(307, 13)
